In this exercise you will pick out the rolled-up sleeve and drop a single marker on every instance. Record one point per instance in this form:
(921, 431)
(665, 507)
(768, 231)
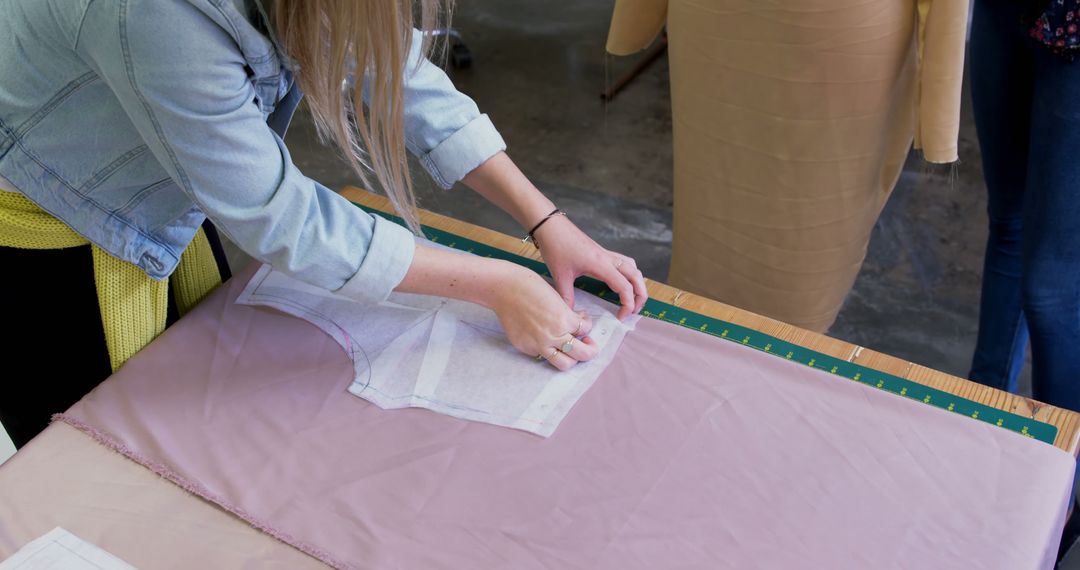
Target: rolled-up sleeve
(181, 80)
(444, 127)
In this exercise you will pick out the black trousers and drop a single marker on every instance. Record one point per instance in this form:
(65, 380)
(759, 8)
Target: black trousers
(53, 349)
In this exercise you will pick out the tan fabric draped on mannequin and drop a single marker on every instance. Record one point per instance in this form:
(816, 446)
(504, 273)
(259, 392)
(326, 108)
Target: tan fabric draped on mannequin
(792, 121)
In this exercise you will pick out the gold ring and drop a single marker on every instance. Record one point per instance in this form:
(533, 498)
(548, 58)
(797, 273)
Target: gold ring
(554, 351)
(577, 331)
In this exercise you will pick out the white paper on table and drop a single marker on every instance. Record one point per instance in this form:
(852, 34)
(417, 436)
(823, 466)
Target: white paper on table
(445, 355)
(58, 549)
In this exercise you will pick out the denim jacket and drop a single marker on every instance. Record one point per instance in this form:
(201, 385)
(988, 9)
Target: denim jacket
(132, 120)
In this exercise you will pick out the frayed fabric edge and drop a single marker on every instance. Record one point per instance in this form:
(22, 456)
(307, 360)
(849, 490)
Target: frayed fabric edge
(198, 490)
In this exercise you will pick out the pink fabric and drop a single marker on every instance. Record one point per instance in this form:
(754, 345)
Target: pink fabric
(688, 452)
(64, 478)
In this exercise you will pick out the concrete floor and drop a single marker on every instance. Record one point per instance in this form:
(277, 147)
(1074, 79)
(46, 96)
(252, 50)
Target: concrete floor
(538, 73)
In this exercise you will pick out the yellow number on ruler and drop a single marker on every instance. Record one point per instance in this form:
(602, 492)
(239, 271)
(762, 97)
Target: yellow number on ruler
(952, 407)
(703, 327)
(834, 369)
(1000, 422)
(926, 400)
(903, 391)
(811, 363)
(880, 383)
(724, 333)
(768, 347)
(746, 340)
(682, 321)
(975, 415)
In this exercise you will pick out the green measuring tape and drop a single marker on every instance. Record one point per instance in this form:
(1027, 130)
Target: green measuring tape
(768, 344)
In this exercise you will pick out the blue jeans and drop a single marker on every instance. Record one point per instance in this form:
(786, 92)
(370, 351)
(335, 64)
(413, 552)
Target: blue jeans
(1027, 114)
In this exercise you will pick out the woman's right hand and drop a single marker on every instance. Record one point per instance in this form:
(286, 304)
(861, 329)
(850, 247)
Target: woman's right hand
(538, 321)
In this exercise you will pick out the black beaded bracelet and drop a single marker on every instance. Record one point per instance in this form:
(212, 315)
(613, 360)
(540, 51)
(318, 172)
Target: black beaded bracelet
(529, 237)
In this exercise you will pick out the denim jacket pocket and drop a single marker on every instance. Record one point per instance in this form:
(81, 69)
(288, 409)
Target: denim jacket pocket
(266, 93)
(266, 76)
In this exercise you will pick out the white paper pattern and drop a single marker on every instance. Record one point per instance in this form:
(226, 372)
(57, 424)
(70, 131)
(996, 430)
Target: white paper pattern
(58, 549)
(448, 356)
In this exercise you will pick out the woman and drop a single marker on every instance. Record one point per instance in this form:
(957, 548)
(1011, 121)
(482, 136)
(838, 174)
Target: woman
(1024, 88)
(131, 121)
(1024, 99)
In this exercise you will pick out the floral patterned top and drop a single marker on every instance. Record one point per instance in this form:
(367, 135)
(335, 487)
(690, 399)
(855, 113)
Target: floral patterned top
(1057, 26)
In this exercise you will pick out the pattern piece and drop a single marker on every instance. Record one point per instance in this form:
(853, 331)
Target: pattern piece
(58, 549)
(448, 356)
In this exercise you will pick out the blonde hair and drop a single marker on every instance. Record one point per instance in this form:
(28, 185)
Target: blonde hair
(324, 39)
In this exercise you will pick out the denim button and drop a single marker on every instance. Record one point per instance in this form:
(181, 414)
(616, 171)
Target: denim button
(147, 259)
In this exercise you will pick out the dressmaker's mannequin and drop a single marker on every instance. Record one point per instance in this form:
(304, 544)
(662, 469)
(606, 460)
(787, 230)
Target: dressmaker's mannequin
(792, 121)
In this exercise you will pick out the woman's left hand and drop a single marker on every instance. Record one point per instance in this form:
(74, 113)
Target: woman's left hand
(569, 253)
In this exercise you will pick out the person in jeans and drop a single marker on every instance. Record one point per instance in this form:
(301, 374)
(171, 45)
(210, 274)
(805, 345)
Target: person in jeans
(1026, 94)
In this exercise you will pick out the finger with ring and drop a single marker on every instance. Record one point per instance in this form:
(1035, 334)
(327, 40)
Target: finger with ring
(584, 325)
(580, 350)
(560, 360)
(577, 331)
(554, 351)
